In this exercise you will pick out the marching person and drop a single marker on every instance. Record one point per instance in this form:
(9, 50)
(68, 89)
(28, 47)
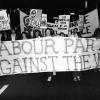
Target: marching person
(37, 33)
(76, 74)
(50, 75)
(24, 36)
(12, 36)
(47, 32)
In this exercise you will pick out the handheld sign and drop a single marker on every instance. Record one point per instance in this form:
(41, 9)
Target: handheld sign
(63, 23)
(4, 21)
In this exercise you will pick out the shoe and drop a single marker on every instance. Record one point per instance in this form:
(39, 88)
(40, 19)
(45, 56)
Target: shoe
(78, 78)
(75, 79)
(54, 73)
(49, 79)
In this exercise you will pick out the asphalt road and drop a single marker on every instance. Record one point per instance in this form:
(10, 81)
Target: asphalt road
(62, 87)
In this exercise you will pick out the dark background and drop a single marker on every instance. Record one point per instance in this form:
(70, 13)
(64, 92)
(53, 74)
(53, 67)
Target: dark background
(62, 87)
(52, 8)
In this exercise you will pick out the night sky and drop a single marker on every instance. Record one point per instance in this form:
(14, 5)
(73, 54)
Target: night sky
(52, 8)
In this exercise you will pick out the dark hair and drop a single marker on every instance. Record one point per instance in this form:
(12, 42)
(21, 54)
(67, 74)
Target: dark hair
(24, 33)
(47, 29)
(35, 31)
(52, 33)
(75, 28)
(62, 34)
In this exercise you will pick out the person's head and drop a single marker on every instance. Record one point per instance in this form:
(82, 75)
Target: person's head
(48, 32)
(81, 29)
(24, 35)
(72, 32)
(62, 34)
(37, 33)
(13, 32)
(53, 32)
(75, 30)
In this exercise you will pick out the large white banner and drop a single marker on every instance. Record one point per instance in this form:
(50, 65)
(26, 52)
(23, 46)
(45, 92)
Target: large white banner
(47, 55)
(4, 21)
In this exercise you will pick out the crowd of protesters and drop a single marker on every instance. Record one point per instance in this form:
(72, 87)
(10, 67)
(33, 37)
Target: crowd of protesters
(12, 35)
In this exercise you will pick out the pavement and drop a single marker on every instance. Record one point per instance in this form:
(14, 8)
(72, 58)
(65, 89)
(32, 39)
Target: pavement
(62, 87)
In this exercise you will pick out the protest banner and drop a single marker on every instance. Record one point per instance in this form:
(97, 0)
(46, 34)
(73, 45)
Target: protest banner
(44, 21)
(91, 22)
(63, 23)
(23, 21)
(30, 21)
(46, 55)
(4, 21)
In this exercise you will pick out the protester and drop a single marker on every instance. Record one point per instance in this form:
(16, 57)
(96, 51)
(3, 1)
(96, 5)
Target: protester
(75, 32)
(24, 36)
(50, 75)
(71, 34)
(53, 34)
(37, 33)
(80, 32)
(76, 74)
(47, 32)
(13, 36)
(62, 34)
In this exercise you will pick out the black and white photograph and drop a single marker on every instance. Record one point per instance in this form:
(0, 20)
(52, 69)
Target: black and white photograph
(49, 50)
